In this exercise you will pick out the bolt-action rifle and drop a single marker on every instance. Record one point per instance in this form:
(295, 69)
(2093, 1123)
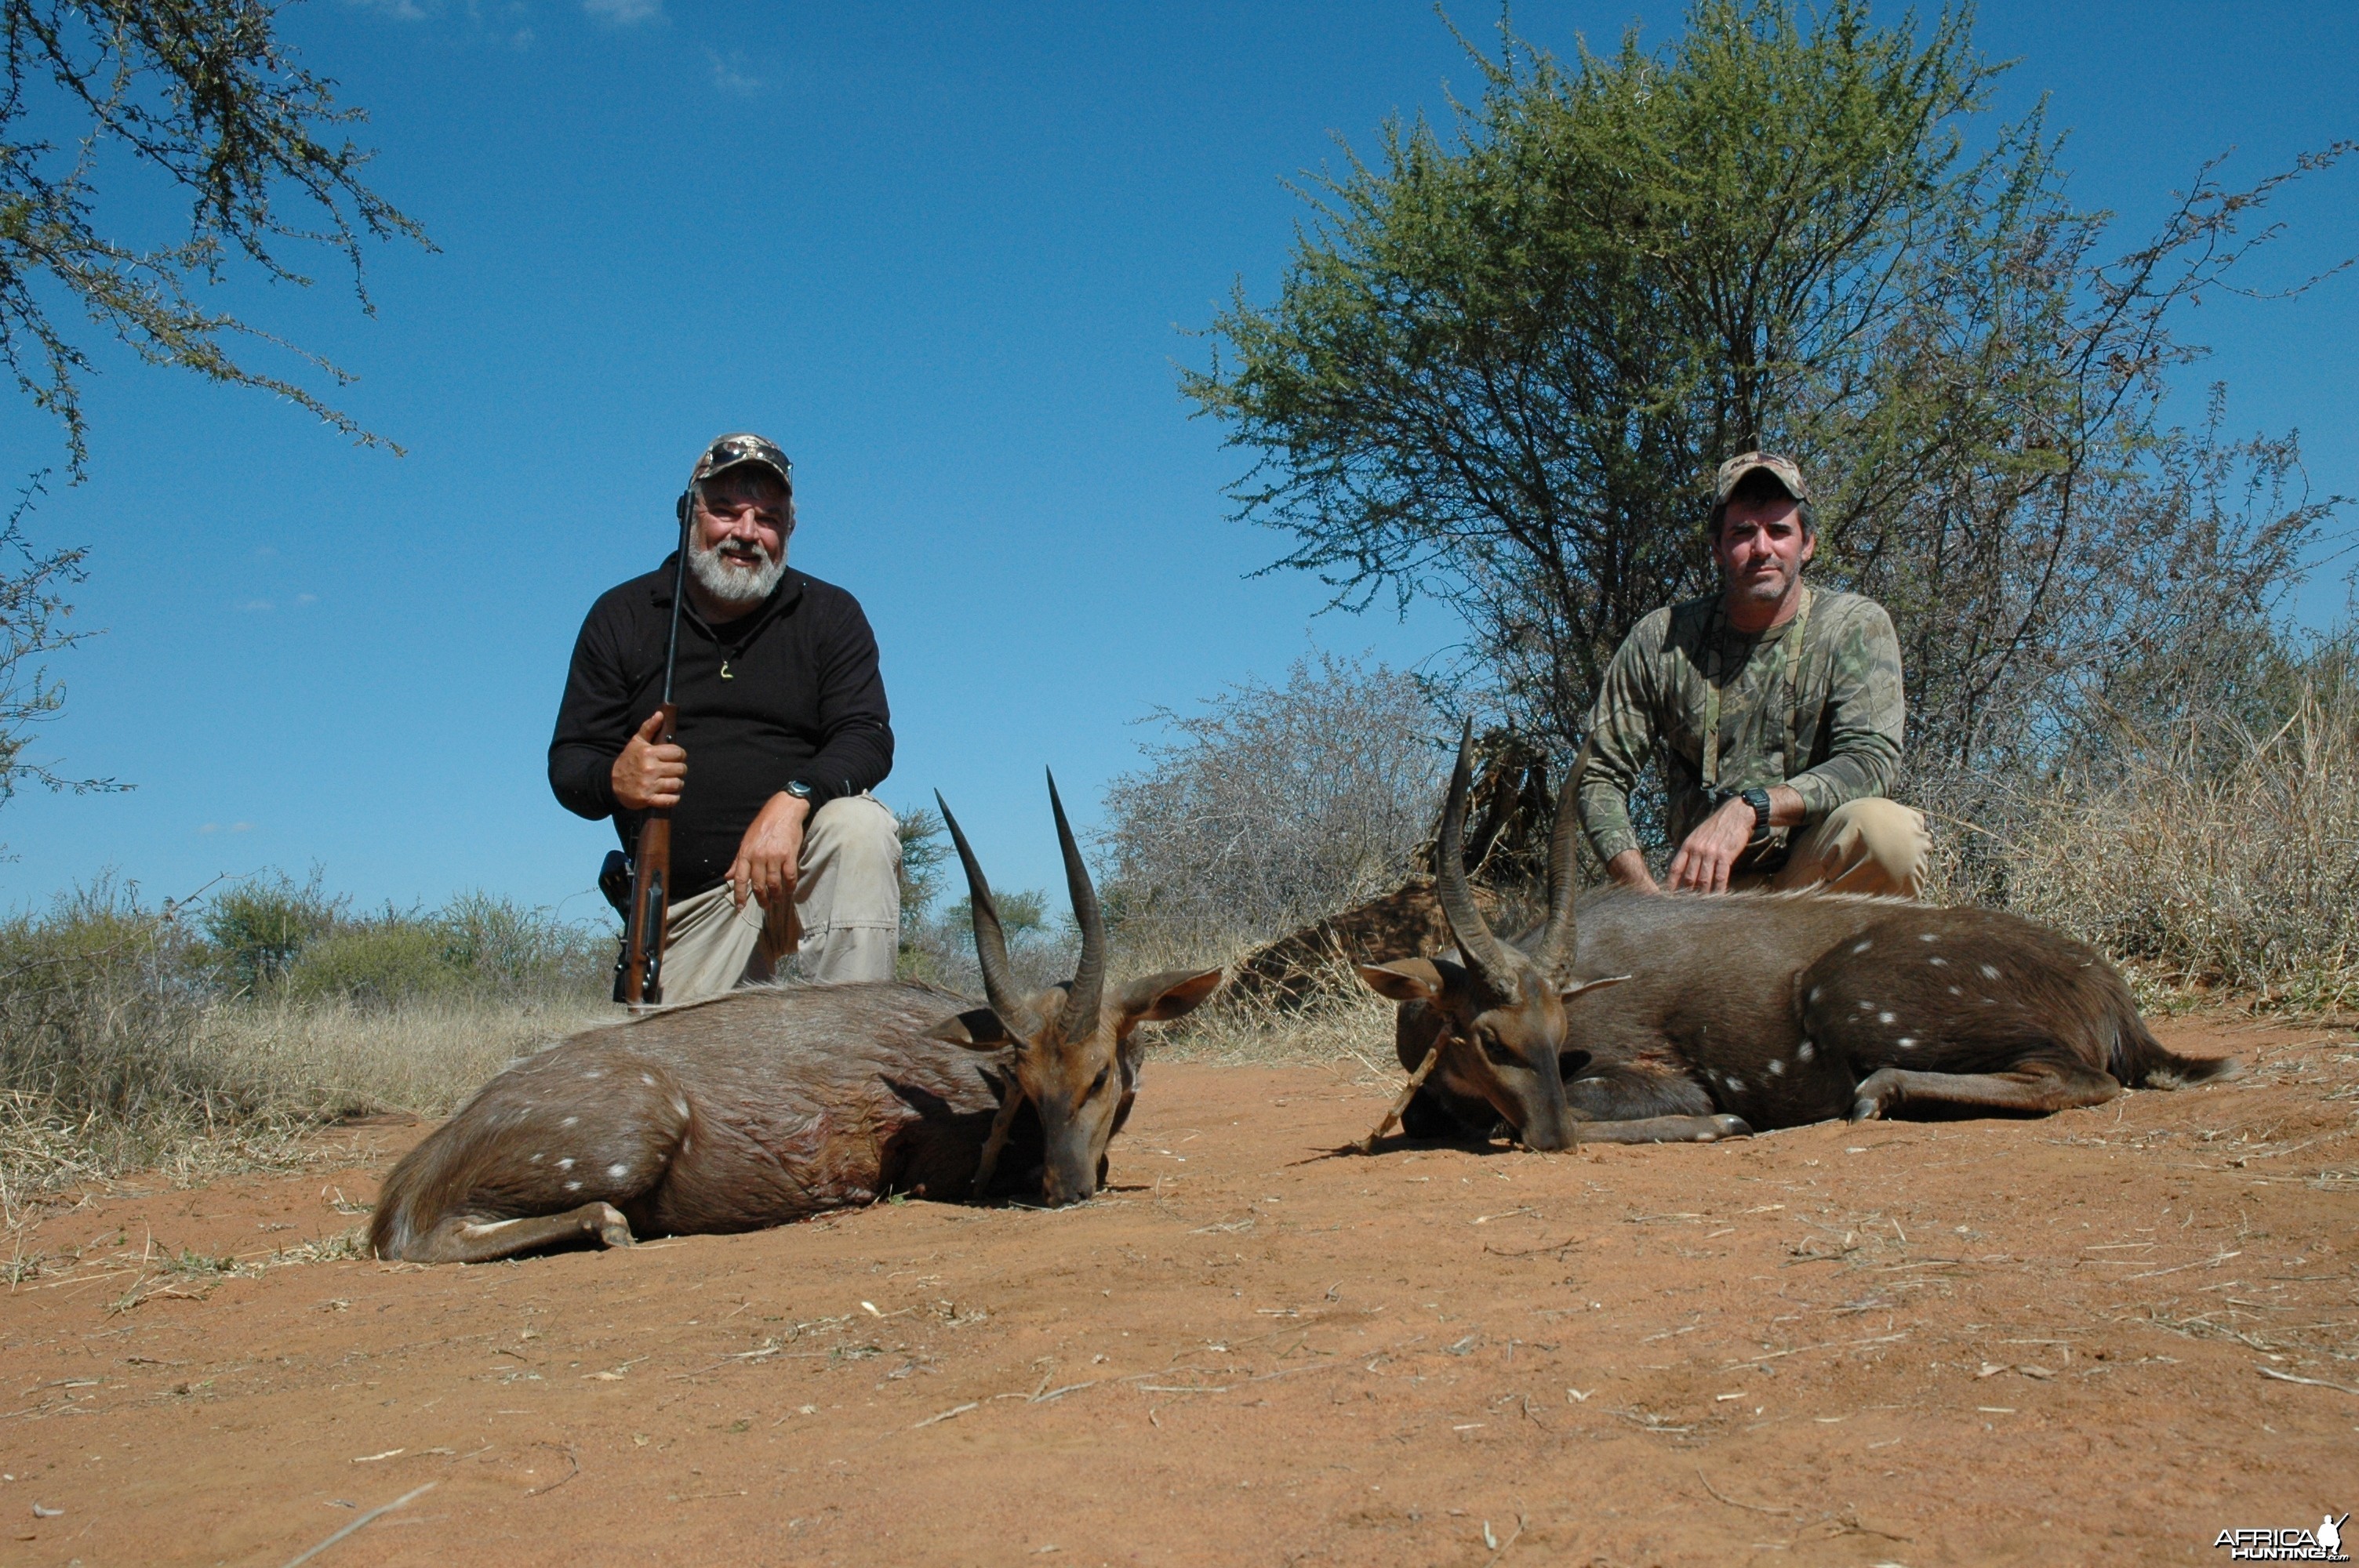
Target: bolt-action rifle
(639, 979)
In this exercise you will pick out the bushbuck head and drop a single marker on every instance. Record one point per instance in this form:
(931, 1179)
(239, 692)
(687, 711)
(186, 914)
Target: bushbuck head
(1076, 1060)
(1498, 1018)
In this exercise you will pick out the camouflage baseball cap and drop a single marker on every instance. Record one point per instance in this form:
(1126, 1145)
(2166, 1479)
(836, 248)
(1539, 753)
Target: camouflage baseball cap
(1782, 470)
(738, 450)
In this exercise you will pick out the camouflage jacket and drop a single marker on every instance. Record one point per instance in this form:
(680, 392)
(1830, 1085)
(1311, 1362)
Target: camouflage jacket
(1832, 732)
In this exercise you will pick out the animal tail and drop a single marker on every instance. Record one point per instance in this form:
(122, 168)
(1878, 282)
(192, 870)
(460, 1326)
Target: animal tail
(393, 1225)
(2138, 1058)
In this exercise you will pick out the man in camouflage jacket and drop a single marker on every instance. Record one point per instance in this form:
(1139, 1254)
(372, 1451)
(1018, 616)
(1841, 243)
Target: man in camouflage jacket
(1777, 711)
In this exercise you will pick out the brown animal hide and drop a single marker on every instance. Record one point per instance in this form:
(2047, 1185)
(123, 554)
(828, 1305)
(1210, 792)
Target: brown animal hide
(758, 1108)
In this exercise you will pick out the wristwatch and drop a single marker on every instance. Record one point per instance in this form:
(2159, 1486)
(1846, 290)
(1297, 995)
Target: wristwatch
(804, 792)
(1759, 799)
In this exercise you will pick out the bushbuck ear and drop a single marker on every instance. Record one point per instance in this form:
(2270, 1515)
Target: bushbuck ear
(979, 1027)
(1578, 987)
(1406, 979)
(1174, 993)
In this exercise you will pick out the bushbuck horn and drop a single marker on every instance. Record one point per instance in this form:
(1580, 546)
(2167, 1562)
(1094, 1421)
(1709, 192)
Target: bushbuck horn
(1466, 923)
(990, 941)
(1553, 952)
(1080, 1014)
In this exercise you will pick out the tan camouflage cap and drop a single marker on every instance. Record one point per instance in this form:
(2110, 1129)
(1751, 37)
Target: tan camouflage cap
(1782, 470)
(736, 450)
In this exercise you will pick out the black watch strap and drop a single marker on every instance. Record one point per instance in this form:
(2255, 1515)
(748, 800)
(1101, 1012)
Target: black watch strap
(1759, 799)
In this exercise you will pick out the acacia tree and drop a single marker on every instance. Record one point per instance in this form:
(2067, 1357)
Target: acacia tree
(1501, 369)
(205, 94)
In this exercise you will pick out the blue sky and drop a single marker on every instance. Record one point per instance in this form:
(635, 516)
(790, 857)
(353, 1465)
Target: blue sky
(948, 256)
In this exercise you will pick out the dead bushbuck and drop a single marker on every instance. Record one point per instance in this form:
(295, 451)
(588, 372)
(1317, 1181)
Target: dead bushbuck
(1709, 1016)
(774, 1103)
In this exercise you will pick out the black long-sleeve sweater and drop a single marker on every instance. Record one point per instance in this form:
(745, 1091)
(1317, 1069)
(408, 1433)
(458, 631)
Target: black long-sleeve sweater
(803, 699)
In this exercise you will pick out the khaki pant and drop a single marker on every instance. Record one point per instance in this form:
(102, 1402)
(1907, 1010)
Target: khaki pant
(1862, 846)
(847, 895)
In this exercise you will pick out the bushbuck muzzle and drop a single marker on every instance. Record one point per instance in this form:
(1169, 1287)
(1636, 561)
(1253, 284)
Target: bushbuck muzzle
(1076, 1053)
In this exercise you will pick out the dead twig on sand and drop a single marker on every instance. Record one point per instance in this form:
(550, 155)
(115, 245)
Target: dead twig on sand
(1416, 1082)
(570, 1459)
(2307, 1383)
(1505, 1545)
(405, 1497)
(1738, 1503)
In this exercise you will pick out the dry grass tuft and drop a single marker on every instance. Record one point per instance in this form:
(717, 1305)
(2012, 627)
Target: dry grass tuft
(2200, 876)
(1339, 1021)
(271, 1075)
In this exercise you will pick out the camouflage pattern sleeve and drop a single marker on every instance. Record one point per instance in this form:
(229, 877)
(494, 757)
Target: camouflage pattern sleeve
(1866, 712)
(1622, 737)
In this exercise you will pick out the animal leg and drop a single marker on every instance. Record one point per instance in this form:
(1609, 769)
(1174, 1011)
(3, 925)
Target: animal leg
(1416, 1082)
(459, 1240)
(1665, 1129)
(989, 1164)
(2036, 1088)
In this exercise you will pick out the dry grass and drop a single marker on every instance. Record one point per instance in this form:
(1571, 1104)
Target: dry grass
(273, 1075)
(1340, 1022)
(2200, 877)
(321, 1062)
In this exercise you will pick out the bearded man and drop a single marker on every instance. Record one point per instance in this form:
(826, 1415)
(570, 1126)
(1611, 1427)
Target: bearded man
(1777, 710)
(781, 707)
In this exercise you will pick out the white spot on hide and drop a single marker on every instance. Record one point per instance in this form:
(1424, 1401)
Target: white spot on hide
(1862, 946)
(1885, 1017)
(536, 1160)
(593, 1073)
(1905, 1042)
(1805, 1051)
(678, 1106)
(619, 1171)
(1777, 1068)
(572, 1187)
(1938, 963)
(1929, 937)
(1868, 1007)
(569, 1121)
(648, 1079)
(1989, 973)
(1814, 993)
(566, 1163)
(1737, 1086)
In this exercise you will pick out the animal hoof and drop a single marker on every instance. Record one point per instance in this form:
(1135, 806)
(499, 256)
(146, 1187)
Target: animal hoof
(1868, 1111)
(613, 1230)
(1731, 1126)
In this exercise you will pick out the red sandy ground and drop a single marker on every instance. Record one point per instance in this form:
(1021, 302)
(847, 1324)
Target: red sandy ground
(2038, 1342)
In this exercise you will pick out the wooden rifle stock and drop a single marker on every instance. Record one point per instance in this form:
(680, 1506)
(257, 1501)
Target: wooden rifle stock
(650, 899)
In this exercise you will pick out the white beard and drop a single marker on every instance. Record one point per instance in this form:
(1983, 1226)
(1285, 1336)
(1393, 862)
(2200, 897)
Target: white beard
(739, 586)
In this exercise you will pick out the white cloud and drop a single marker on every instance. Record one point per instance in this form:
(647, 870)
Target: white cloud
(399, 10)
(623, 13)
(729, 75)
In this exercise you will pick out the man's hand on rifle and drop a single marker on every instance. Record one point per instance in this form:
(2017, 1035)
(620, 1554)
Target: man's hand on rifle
(770, 857)
(650, 772)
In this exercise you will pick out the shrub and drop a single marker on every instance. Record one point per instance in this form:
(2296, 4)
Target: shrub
(1275, 806)
(257, 927)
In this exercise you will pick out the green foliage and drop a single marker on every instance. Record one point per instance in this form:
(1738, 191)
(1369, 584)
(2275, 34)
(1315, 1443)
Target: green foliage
(205, 94)
(259, 927)
(1502, 367)
(925, 852)
(379, 961)
(100, 998)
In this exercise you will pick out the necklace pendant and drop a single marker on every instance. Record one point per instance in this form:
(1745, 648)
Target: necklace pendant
(724, 671)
